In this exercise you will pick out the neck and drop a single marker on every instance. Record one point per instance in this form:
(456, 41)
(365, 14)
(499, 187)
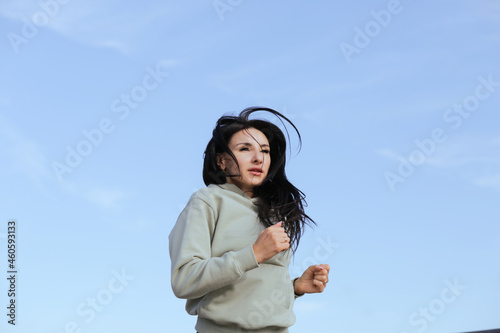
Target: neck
(247, 190)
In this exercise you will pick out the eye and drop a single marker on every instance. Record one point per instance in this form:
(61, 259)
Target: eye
(244, 149)
(265, 151)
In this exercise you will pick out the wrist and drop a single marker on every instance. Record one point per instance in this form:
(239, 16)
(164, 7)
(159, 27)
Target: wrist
(296, 287)
(255, 253)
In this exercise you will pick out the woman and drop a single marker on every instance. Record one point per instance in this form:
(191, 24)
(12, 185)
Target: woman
(232, 244)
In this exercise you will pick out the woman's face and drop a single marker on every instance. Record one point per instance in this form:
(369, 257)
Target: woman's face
(252, 151)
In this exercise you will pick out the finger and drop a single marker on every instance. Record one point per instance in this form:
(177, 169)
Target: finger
(322, 277)
(321, 272)
(320, 285)
(326, 266)
(277, 228)
(279, 234)
(284, 246)
(317, 268)
(320, 282)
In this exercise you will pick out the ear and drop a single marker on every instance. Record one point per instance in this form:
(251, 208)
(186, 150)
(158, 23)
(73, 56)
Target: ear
(221, 162)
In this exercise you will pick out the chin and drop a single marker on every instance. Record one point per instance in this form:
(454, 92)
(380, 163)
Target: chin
(258, 183)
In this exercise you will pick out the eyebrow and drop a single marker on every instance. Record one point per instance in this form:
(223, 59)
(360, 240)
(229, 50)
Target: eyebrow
(249, 144)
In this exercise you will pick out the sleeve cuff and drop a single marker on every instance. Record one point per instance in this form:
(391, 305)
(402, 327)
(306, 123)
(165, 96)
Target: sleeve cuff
(293, 286)
(245, 258)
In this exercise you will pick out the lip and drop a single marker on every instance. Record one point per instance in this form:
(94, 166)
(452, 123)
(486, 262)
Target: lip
(256, 171)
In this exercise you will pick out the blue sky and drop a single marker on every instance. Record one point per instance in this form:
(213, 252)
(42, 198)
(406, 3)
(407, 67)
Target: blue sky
(106, 108)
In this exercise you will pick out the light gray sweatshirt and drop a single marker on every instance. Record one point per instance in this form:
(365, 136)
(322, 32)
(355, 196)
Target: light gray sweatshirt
(215, 269)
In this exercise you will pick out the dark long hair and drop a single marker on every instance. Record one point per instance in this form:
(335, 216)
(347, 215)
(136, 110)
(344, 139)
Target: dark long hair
(279, 200)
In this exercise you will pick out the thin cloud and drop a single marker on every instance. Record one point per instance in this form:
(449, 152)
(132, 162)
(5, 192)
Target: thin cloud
(24, 155)
(96, 23)
(27, 158)
(107, 198)
(117, 45)
(477, 160)
(18, 9)
(491, 181)
(469, 152)
(388, 153)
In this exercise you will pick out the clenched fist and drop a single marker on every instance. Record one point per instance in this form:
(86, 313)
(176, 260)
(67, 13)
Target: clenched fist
(313, 280)
(270, 242)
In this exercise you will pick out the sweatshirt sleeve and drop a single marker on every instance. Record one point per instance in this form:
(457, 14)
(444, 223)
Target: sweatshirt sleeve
(293, 287)
(194, 272)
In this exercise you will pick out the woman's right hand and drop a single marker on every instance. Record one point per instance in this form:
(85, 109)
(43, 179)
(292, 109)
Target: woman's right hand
(270, 242)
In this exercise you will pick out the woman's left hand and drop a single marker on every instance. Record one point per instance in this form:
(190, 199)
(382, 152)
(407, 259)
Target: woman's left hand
(313, 280)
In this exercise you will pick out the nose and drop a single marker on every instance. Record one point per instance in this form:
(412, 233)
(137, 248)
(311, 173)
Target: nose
(258, 157)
